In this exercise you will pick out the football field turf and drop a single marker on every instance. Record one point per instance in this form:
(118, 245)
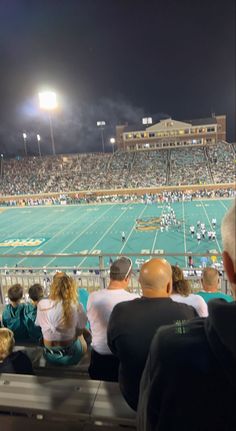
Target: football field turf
(97, 229)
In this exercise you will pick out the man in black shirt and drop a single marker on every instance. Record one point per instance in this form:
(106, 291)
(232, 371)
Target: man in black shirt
(132, 324)
(189, 381)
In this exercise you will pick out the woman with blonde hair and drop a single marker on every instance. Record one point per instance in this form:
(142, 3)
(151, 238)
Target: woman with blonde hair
(181, 292)
(63, 322)
(12, 362)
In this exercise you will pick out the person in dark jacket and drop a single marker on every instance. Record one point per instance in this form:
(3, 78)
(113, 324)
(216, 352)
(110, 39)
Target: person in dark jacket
(189, 381)
(12, 362)
(133, 324)
(13, 314)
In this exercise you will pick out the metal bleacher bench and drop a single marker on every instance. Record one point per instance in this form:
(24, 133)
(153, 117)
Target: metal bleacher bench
(33, 403)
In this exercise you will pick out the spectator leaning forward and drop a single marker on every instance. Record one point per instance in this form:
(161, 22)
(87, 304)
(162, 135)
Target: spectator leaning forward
(13, 314)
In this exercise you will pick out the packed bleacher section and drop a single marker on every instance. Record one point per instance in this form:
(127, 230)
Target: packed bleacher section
(189, 166)
(222, 168)
(97, 171)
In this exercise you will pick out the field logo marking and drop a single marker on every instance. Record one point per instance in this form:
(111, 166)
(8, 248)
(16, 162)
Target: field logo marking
(23, 242)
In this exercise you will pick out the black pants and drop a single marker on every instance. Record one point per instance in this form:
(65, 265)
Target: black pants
(103, 367)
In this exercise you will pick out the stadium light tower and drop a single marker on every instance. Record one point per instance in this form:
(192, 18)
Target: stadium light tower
(1, 167)
(147, 120)
(112, 142)
(39, 146)
(24, 139)
(48, 102)
(101, 125)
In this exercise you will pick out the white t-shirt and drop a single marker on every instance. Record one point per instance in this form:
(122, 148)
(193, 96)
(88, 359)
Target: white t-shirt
(194, 300)
(49, 318)
(99, 307)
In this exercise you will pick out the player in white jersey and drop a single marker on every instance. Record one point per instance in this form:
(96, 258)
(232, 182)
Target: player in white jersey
(192, 230)
(213, 222)
(198, 237)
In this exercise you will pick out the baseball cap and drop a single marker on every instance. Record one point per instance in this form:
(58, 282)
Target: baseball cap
(121, 268)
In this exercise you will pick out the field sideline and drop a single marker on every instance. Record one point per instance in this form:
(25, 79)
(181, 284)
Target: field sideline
(97, 229)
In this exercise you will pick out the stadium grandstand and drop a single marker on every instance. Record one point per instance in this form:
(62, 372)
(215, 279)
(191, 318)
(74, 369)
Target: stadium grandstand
(77, 214)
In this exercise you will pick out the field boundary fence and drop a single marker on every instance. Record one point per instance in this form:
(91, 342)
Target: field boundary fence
(97, 276)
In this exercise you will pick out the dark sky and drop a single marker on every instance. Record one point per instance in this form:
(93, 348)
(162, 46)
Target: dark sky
(112, 60)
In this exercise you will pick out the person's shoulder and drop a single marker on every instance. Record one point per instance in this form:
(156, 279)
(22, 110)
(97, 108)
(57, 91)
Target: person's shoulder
(227, 297)
(180, 339)
(29, 308)
(44, 304)
(96, 294)
(196, 298)
(126, 305)
(7, 308)
(184, 308)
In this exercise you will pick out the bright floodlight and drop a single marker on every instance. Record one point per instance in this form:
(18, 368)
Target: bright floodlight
(38, 138)
(101, 123)
(147, 120)
(48, 100)
(112, 141)
(24, 135)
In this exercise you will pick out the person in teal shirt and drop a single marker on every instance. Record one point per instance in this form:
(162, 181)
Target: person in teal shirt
(13, 314)
(210, 283)
(30, 313)
(83, 299)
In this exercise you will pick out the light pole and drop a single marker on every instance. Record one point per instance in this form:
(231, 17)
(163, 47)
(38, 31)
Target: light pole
(147, 120)
(112, 142)
(101, 125)
(48, 102)
(24, 139)
(1, 168)
(39, 147)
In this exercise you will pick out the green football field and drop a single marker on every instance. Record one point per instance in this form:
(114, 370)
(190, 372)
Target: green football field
(97, 229)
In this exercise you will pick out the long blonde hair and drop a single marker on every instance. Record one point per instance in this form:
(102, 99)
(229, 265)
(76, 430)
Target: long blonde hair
(63, 288)
(7, 343)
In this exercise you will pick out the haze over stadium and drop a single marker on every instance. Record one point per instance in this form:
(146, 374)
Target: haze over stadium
(117, 215)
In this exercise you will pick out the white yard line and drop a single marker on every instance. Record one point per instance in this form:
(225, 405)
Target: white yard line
(122, 248)
(81, 233)
(203, 206)
(158, 230)
(185, 248)
(224, 205)
(20, 231)
(57, 234)
(105, 233)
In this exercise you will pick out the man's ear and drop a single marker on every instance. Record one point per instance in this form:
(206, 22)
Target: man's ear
(169, 288)
(229, 267)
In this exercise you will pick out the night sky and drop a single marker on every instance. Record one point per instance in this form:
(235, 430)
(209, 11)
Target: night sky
(112, 60)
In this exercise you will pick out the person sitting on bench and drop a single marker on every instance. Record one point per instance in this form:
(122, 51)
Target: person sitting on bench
(63, 322)
(12, 362)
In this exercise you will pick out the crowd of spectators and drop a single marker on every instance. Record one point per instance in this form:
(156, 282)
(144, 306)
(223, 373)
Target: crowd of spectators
(222, 168)
(98, 171)
(165, 196)
(189, 166)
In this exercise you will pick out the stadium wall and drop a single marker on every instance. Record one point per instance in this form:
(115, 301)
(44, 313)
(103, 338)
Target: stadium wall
(120, 192)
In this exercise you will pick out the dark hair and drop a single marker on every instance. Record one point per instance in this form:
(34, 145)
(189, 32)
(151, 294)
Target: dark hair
(15, 292)
(36, 292)
(179, 284)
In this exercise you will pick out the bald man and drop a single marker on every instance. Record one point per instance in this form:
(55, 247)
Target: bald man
(189, 380)
(210, 283)
(132, 324)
